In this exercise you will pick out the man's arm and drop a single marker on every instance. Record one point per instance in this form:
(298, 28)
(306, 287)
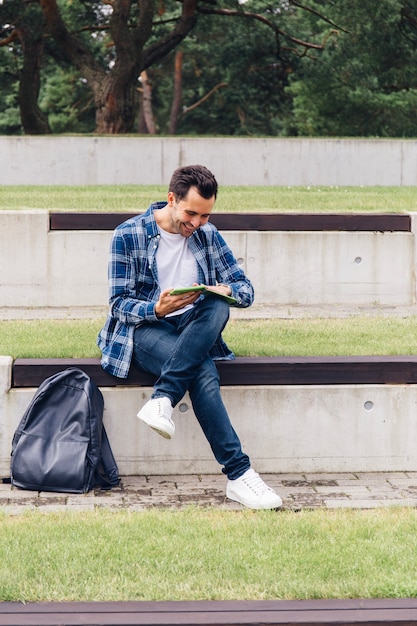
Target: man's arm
(133, 291)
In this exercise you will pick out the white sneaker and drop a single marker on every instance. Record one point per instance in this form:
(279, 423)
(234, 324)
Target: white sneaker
(156, 413)
(250, 490)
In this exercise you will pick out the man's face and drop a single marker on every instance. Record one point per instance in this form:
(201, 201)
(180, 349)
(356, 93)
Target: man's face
(189, 213)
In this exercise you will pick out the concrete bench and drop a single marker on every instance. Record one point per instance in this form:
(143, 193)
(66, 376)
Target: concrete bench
(293, 414)
(292, 259)
(213, 613)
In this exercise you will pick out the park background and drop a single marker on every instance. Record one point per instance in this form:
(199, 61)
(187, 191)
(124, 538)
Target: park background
(200, 67)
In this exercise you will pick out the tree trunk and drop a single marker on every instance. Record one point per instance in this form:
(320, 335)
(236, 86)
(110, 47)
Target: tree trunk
(177, 99)
(116, 105)
(146, 105)
(142, 128)
(34, 121)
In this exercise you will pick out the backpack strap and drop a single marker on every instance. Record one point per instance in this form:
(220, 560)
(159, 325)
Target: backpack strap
(107, 475)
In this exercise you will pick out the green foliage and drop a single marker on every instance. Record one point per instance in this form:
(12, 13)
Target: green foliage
(365, 82)
(360, 79)
(9, 76)
(243, 56)
(240, 60)
(243, 53)
(9, 110)
(67, 101)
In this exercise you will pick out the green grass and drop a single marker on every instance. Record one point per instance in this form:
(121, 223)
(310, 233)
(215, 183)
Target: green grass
(209, 554)
(49, 338)
(279, 337)
(131, 198)
(323, 337)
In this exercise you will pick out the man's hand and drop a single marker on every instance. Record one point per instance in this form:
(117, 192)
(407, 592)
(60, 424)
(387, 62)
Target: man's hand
(168, 304)
(225, 290)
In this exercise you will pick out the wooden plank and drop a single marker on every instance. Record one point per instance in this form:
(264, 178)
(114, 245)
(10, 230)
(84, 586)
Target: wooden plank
(336, 370)
(87, 221)
(31, 372)
(383, 222)
(214, 613)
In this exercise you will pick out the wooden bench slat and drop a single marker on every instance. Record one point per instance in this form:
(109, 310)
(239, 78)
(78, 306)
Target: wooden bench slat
(214, 613)
(251, 221)
(337, 370)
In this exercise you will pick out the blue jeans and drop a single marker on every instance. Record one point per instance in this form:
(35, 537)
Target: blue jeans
(176, 350)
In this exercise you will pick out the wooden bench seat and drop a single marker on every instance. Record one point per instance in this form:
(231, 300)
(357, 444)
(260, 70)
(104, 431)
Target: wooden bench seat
(379, 222)
(372, 612)
(302, 370)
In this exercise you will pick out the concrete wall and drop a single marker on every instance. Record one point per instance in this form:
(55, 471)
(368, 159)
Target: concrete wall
(238, 161)
(283, 428)
(41, 269)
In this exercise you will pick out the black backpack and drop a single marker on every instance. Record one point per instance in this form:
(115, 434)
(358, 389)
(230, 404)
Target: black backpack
(60, 443)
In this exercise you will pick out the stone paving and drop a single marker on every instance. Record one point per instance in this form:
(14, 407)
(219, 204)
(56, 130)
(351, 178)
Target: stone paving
(256, 311)
(298, 491)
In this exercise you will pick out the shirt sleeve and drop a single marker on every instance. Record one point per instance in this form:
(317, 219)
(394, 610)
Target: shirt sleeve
(228, 271)
(133, 292)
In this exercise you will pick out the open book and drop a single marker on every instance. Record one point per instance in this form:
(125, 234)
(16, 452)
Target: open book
(205, 290)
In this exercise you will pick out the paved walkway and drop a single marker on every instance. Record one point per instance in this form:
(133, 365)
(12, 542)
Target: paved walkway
(256, 311)
(298, 491)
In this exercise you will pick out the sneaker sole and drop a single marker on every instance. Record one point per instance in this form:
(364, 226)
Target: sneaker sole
(164, 433)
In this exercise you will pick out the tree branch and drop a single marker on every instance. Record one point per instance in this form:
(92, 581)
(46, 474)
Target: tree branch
(73, 49)
(317, 14)
(122, 39)
(14, 35)
(406, 14)
(264, 20)
(145, 23)
(183, 27)
(203, 99)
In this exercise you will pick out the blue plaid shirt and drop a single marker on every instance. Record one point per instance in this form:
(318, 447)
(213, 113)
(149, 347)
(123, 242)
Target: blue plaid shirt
(134, 289)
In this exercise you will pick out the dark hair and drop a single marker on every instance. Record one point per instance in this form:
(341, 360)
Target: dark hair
(193, 176)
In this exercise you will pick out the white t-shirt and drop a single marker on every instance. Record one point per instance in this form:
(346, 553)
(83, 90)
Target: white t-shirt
(176, 264)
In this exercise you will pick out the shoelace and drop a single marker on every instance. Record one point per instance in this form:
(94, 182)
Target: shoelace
(255, 482)
(163, 408)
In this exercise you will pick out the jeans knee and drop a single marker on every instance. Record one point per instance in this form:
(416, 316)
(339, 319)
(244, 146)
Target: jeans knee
(216, 309)
(207, 378)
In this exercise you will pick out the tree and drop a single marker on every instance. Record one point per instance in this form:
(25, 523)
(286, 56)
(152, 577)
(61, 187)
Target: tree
(111, 43)
(230, 73)
(114, 86)
(366, 81)
(26, 27)
(236, 72)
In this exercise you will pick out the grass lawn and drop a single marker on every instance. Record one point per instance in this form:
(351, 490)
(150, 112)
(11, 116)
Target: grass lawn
(208, 554)
(131, 198)
(351, 336)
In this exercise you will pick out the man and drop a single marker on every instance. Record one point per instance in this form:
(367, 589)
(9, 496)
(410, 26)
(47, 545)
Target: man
(177, 337)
